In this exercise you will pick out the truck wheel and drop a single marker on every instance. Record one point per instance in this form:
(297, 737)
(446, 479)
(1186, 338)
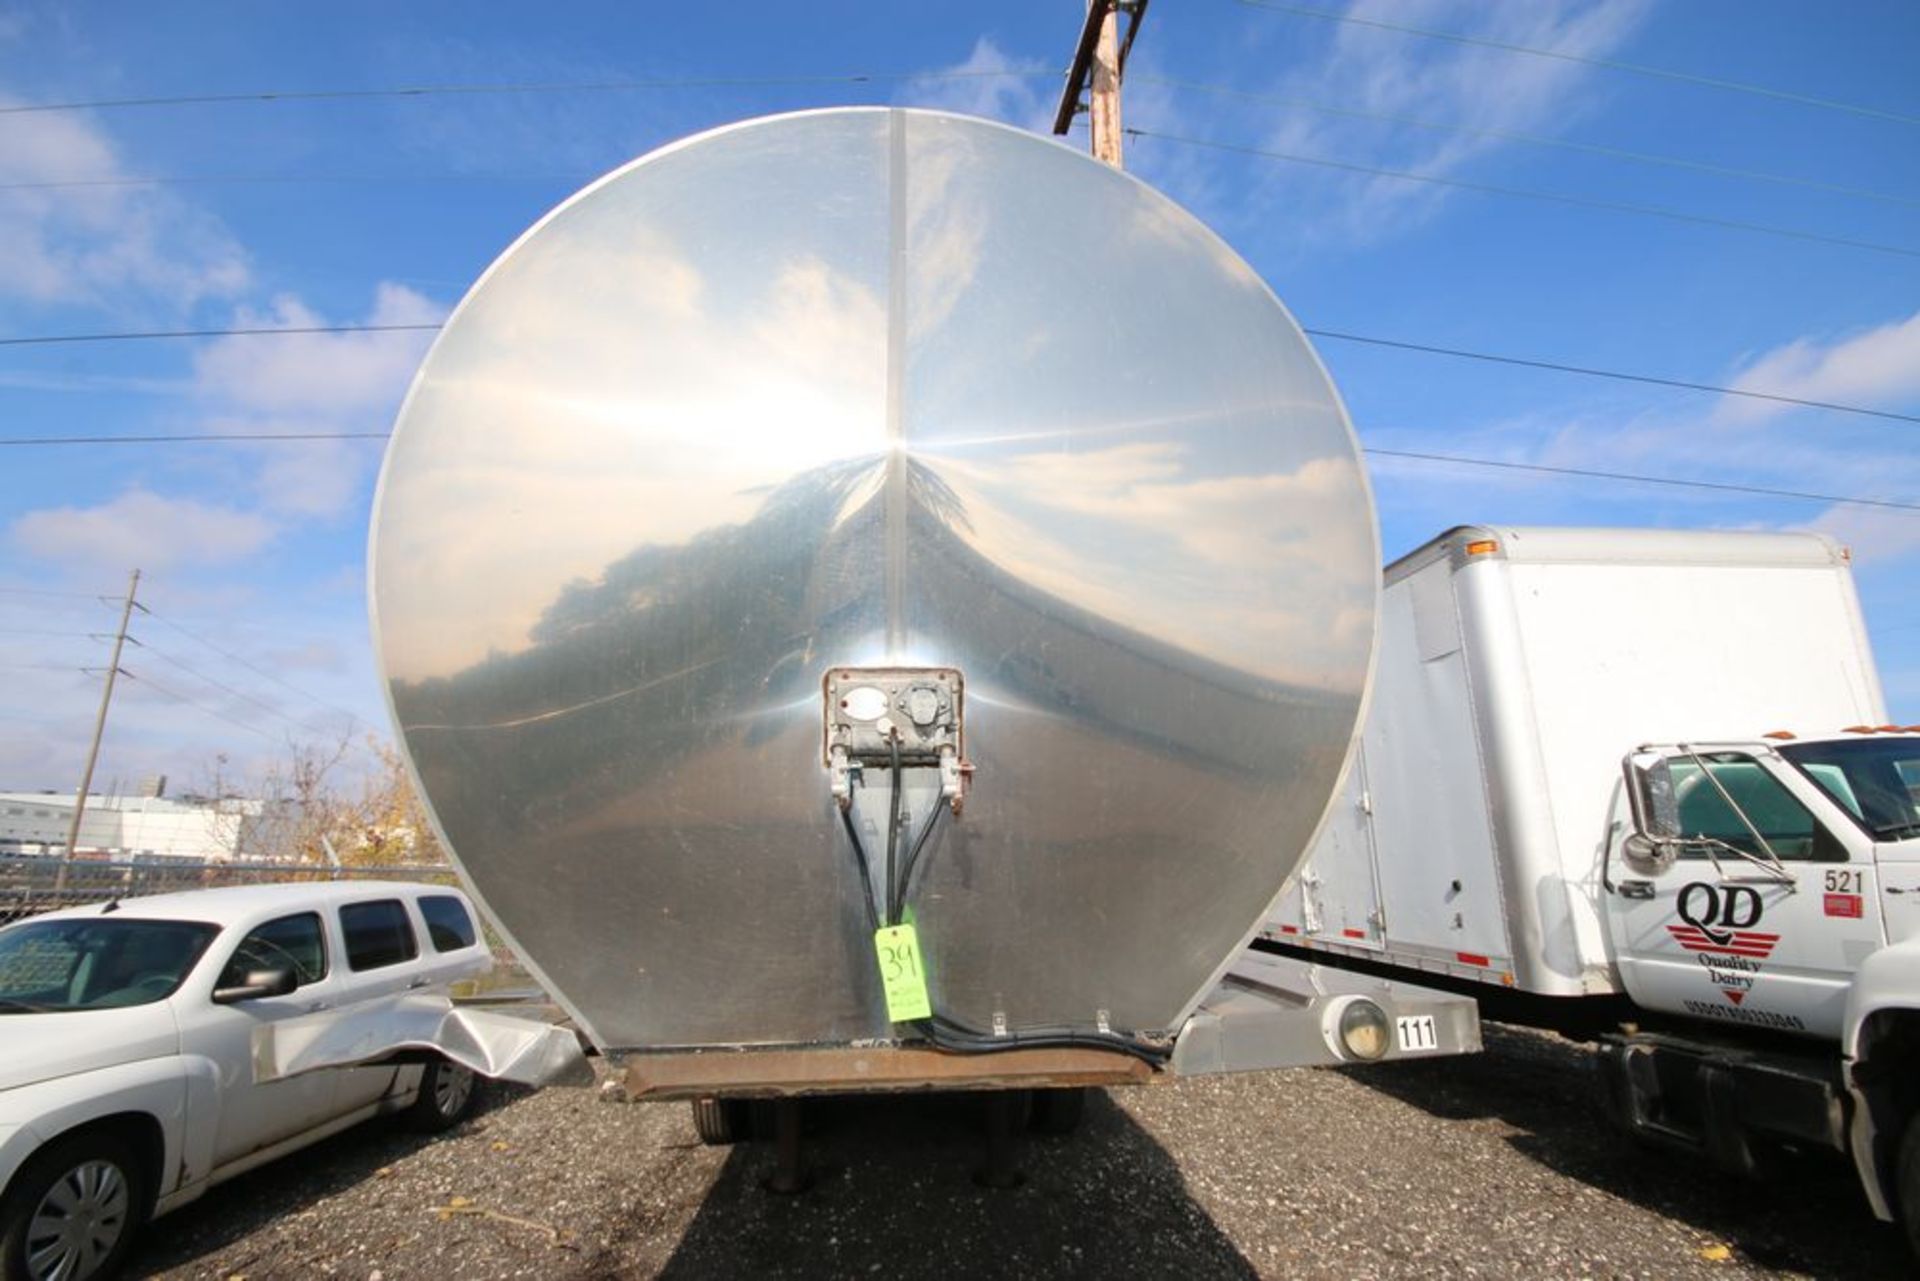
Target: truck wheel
(73, 1210)
(446, 1097)
(1907, 1182)
(720, 1122)
(1058, 1111)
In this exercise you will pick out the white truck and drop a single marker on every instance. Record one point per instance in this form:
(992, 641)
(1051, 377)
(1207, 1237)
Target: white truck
(1638, 785)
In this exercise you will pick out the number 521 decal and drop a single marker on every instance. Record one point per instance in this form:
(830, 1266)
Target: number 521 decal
(1845, 880)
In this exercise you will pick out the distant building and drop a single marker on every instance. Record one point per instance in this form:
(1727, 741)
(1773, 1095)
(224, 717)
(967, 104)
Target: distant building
(129, 827)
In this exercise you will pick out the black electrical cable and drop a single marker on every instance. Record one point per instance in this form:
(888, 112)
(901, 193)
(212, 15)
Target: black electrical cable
(913, 857)
(893, 829)
(860, 862)
(961, 1039)
(945, 1033)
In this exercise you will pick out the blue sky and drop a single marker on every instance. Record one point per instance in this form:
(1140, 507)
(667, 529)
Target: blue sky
(384, 209)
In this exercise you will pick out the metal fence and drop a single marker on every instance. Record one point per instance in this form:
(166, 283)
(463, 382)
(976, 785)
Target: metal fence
(30, 884)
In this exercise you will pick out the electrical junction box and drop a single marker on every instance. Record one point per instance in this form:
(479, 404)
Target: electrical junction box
(873, 712)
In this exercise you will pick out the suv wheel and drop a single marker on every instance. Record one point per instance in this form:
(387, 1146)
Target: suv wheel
(447, 1095)
(73, 1211)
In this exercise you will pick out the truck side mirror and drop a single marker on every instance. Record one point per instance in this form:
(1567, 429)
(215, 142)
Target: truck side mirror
(1653, 845)
(1645, 856)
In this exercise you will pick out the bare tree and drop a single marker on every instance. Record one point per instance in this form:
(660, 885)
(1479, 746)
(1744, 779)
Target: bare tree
(311, 806)
(391, 823)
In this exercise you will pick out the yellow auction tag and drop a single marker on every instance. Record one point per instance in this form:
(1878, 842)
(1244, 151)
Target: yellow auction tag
(902, 976)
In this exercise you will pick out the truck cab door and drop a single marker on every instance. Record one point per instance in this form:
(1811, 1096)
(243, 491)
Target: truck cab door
(1732, 898)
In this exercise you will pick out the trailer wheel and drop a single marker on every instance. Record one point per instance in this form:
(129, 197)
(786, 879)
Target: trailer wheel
(1058, 1111)
(720, 1122)
(1907, 1182)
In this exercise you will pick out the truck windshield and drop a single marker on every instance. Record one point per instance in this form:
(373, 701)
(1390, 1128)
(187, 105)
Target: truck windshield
(1877, 780)
(95, 963)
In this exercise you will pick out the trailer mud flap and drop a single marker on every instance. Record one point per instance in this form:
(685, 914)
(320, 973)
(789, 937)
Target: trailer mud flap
(1277, 1011)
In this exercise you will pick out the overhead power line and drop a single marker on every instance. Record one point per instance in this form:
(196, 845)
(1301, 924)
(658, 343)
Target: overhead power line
(244, 332)
(223, 687)
(1333, 334)
(1529, 139)
(1321, 108)
(255, 668)
(1462, 460)
(1610, 64)
(1635, 479)
(292, 179)
(178, 697)
(47, 591)
(1591, 372)
(1527, 193)
(188, 438)
(530, 87)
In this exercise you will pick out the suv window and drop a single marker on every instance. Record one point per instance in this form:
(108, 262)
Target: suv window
(291, 942)
(448, 925)
(377, 934)
(1790, 830)
(78, 963)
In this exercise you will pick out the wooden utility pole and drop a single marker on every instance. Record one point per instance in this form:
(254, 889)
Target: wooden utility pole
(1103, 103)
(1099, 62)
(99, 728)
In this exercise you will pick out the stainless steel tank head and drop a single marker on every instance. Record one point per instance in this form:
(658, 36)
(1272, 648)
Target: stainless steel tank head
(827, 437)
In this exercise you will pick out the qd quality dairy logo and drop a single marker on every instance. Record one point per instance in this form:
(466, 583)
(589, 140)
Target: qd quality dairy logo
(1718, 918)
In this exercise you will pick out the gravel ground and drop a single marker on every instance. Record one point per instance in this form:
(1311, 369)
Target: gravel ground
(1497, 1166)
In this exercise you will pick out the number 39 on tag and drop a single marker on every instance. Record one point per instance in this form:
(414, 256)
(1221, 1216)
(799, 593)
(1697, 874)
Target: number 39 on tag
(904, 979)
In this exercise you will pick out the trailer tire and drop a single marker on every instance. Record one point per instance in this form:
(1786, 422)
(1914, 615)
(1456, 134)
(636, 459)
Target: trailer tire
(722, 1122)
(1058, 1111)
(1907, 1182)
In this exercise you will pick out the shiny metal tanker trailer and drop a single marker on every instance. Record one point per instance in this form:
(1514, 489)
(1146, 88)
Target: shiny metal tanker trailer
(876, 600)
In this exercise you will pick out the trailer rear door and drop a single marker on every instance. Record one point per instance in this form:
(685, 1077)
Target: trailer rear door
(1340, 886)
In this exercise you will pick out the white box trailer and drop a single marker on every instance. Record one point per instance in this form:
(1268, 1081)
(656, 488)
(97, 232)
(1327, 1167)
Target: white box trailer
(1516, 667)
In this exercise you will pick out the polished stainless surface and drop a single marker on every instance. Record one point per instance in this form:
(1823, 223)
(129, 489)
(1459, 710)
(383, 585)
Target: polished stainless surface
(874, 388)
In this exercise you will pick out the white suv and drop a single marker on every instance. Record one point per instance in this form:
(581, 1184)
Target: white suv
(139, 1043)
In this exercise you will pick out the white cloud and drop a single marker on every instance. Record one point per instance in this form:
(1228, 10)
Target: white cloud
(989, 83)
(1877, 536)
(309, 383)
(1784, 455)
(1875, 367)
(318, 376)
(118, 246)
(313, 383)
(144, 529)
(311, 478)
(1473, 88)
